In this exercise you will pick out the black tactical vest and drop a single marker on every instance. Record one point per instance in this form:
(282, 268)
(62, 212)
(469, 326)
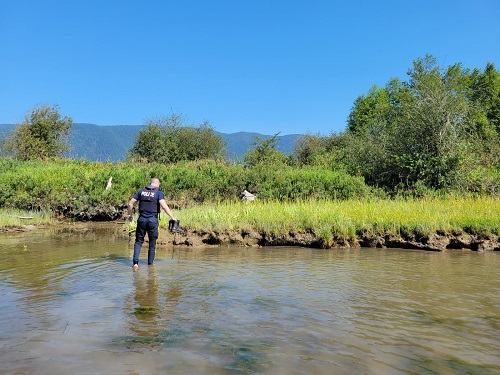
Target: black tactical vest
(148, 200)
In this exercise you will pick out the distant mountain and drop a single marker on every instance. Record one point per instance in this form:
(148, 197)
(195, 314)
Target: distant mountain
(101, 143)
(5, 129)
(111, 143)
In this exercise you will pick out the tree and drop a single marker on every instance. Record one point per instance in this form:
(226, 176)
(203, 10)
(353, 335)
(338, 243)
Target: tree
(168, 140)
(43, 134)
(308, 148)
(486, 94)
(430, 138)
(370, 112)
(148, 145)
(321, 150)
(430, 131)
(265, 152)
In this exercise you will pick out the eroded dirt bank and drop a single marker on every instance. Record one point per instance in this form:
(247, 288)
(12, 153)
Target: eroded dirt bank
(434, 242)
(200, 238)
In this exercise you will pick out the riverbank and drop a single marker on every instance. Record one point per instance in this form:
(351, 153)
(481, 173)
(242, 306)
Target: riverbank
(252, 238)
(433, 241)
(12, 220)
(429, 224)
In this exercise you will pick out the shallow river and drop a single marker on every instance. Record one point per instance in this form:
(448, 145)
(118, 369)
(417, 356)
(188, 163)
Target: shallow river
(71, 304)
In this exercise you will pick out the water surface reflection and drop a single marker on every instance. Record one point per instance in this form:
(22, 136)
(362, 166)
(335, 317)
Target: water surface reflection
(71, 304)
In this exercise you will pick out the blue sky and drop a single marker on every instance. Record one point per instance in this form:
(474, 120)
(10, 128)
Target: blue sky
(261, 65)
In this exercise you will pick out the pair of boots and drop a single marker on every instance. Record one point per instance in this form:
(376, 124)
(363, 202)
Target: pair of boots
(173, 226)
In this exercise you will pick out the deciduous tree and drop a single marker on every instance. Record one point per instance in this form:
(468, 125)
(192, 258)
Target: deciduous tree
(265, 152)
(429, 131)
(43, 134)
(169, 140)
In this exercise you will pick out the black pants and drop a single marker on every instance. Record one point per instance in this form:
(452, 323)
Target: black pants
(145, 225)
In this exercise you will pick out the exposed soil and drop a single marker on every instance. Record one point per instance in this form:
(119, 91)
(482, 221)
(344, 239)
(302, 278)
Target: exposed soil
(434, 242)
(200, 238)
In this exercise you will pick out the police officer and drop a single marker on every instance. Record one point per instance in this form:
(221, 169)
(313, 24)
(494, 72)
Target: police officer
(150, 199)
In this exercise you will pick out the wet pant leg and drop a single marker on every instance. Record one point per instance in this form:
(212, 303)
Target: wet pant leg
(140, 233)
(152, 229)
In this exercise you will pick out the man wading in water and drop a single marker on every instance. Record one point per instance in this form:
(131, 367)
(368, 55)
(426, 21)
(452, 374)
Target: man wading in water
(150, 199)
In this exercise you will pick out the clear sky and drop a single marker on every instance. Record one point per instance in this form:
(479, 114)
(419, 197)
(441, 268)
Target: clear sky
(267, 66)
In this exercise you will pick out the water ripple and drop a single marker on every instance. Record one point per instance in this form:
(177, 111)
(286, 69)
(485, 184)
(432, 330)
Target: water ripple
(269, 311)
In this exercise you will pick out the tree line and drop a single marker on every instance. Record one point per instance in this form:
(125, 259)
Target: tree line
(437, 131)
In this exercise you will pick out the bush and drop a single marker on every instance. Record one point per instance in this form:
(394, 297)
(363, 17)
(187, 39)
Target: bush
(77, 189)
(288, 183)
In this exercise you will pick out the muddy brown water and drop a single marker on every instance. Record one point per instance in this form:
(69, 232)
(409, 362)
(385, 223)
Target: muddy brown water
(70, 304)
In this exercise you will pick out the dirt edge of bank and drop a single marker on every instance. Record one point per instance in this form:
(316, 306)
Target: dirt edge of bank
(432, 242)
(250, 238)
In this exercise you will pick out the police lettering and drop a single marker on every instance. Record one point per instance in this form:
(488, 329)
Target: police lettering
(149, 194)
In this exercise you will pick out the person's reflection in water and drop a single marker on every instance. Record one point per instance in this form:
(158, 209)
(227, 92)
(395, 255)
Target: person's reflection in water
(173, 294)
(150, 313)
(146, 308)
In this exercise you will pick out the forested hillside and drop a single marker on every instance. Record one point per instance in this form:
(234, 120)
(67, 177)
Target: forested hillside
(102, 143)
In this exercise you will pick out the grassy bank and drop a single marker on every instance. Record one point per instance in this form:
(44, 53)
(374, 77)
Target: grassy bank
(459, 222)
(326, 203)
(346, 219)
(11, 218)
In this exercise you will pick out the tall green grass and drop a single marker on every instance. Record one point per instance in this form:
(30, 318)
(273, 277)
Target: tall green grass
(10, 218)
(346, 219)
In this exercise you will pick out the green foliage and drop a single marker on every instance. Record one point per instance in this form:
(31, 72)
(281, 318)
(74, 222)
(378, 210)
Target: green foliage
(345, 219)
(432, 131)
(76, 189)
(485, 98)
(111, 142)
(149, 144)
(370, 112)
(42, 134)
(265, 152)
(169, 140)
(309, 149)
(200, 181)
(437, 132)
(287, 183)
(485, 94)
(430, 141)
(18, 218)
(328, 152)
(68, 188)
